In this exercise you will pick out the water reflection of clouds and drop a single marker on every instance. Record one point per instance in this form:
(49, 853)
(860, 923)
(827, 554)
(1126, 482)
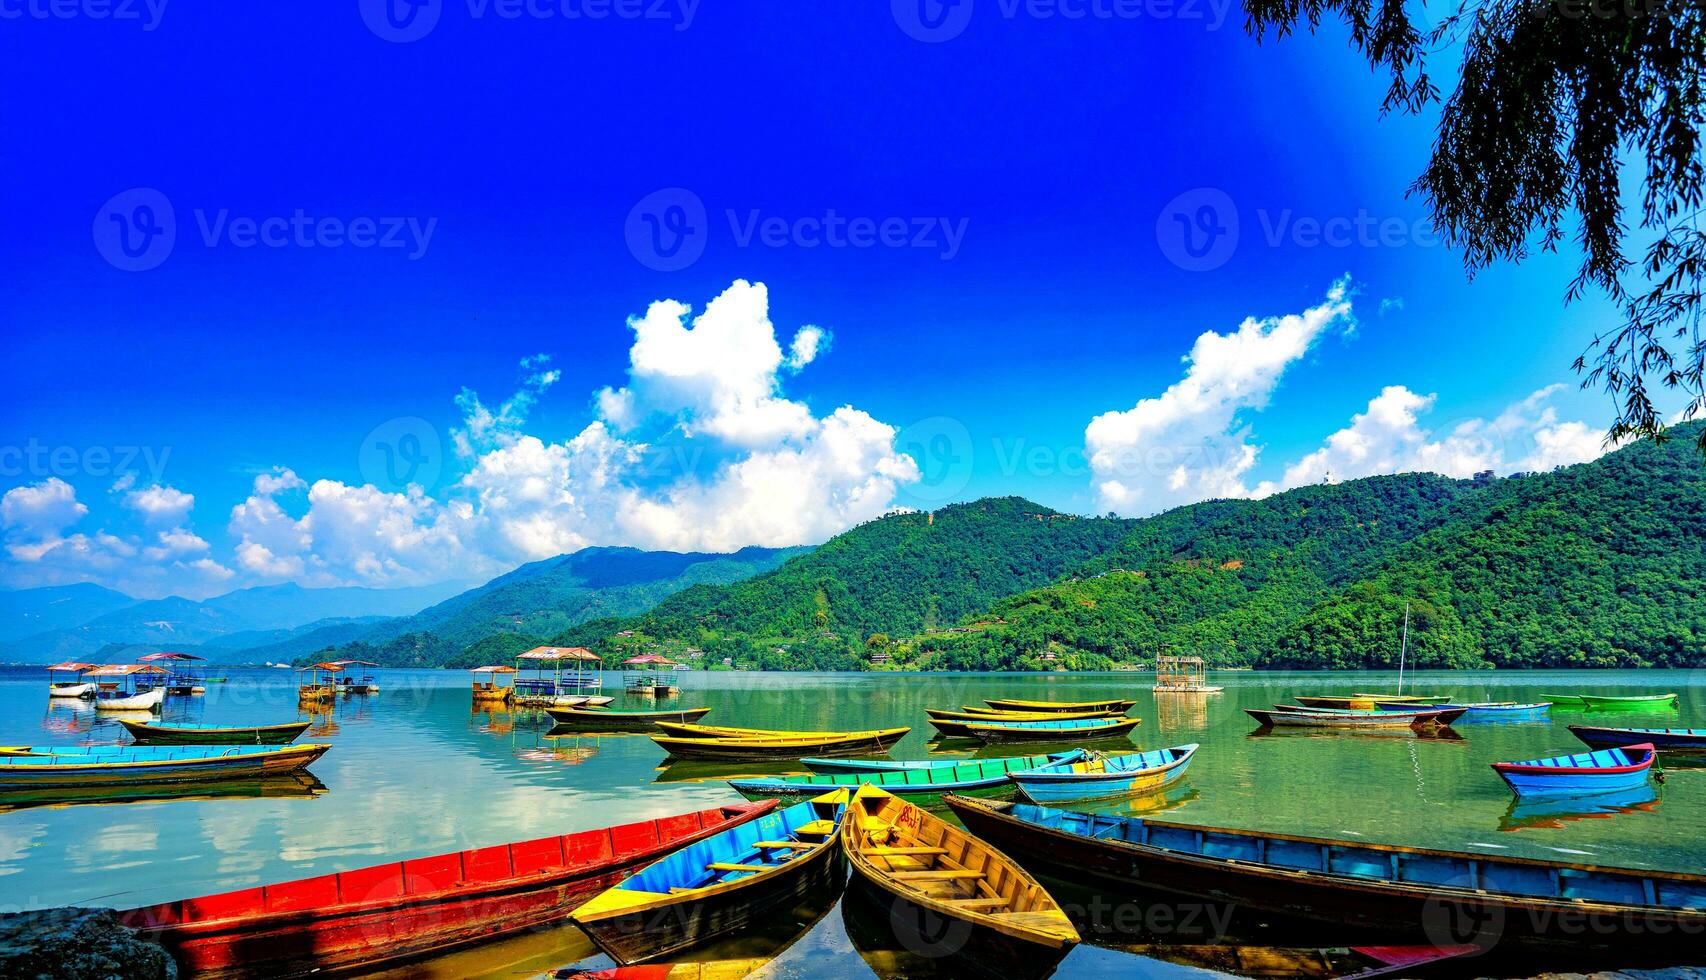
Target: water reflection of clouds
(15, 842)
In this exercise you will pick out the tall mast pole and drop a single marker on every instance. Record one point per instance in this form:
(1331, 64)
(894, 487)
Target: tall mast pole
(1404, 648)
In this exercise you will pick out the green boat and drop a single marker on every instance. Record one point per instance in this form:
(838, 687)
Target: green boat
(185, 733)
(921, 785)
(1639, 702)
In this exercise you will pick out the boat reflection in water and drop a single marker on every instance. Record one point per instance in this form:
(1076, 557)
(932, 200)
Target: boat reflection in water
(297, 785)
(699, 771)
(1181, 711)
(492, 717)
(1441, 734)
(1555, 814)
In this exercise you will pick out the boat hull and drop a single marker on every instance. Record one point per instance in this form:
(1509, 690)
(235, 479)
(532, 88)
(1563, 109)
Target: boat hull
(1603, 771)
(1061, 787)
(147, 733)
(1655, 702)
(999, 733)
(1054, 707)
(71, 691)
(955, 947)
(404, 910)
(921, 785)
(1372, 719)
(1663, 739)
(146, 701)
(87, 770)
(755, 749)
(622, 721)
(1405, 911)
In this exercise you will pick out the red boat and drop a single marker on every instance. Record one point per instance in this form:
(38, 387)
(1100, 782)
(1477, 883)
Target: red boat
(406, 909)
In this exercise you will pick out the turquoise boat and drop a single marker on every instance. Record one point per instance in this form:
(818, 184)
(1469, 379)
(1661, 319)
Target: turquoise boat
(1105, 777)
(1495, 711)
(35, 767)
(920, 785)
(745, 876)
(1604, 771)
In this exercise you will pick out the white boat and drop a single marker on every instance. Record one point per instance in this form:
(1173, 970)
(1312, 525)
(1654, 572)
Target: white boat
(129, 687)
(146, 701)
(78, 688)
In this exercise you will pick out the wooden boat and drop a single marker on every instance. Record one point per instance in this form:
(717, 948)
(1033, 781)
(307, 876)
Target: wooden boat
(493, 689)
(1391, 890)
(1663, 739)
(1488, 711)
(942, 881)
(739, 749)
(991, 714)
(181, 680)
(713, 887)
(1105, 777)
(1367, 702)
(77, 688)
(1565, 700)
(1600, 771)
(877, 765)
(1639, 702)
(1354, 719)
(959, 727)
(125, 765)
(719, 731)
(128, 687)
(1009, 704)
(1083, 730)
(600, 720)
(405, 909)
(184, 733)
(920, 784)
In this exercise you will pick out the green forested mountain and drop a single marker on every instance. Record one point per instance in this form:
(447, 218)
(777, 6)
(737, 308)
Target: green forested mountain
(899, 574)
(520, 609)
(1602, 564)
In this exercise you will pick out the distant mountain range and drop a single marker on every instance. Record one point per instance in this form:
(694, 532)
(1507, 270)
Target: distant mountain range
(82, 620)
(1600, 564)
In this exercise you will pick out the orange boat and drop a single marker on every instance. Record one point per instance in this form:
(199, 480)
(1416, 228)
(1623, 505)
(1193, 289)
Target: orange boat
(406, 909)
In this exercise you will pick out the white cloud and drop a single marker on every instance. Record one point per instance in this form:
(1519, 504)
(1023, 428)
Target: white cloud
(699, 450)
(1189, 443)
(160, 504)
(1389, 437)
(36, 517)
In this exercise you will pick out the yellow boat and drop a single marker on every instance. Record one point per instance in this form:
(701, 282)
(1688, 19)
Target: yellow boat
(721, 731)
(990, 714)
(1055, 707)
(743, 877)
(927, 874)
(786, 747)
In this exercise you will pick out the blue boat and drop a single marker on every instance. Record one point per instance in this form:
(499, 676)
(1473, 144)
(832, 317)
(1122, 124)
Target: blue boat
(1084, 730)
(885, 765)
(1393, 890)
(1663, 739)
(745, 876)
(39, 766)
(1105, 777)
(1497, 711)
(1604, 771)
(920, 784)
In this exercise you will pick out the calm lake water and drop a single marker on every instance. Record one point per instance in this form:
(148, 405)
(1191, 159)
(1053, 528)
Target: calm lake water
(416, 771)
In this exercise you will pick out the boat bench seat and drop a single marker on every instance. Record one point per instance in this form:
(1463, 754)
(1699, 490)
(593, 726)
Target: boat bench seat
(781, 844)
(936, 875)
(975, 904)
(726, 866)
(820, 828)
(905, 850)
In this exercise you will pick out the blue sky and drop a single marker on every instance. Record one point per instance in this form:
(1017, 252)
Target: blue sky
(503, 167)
